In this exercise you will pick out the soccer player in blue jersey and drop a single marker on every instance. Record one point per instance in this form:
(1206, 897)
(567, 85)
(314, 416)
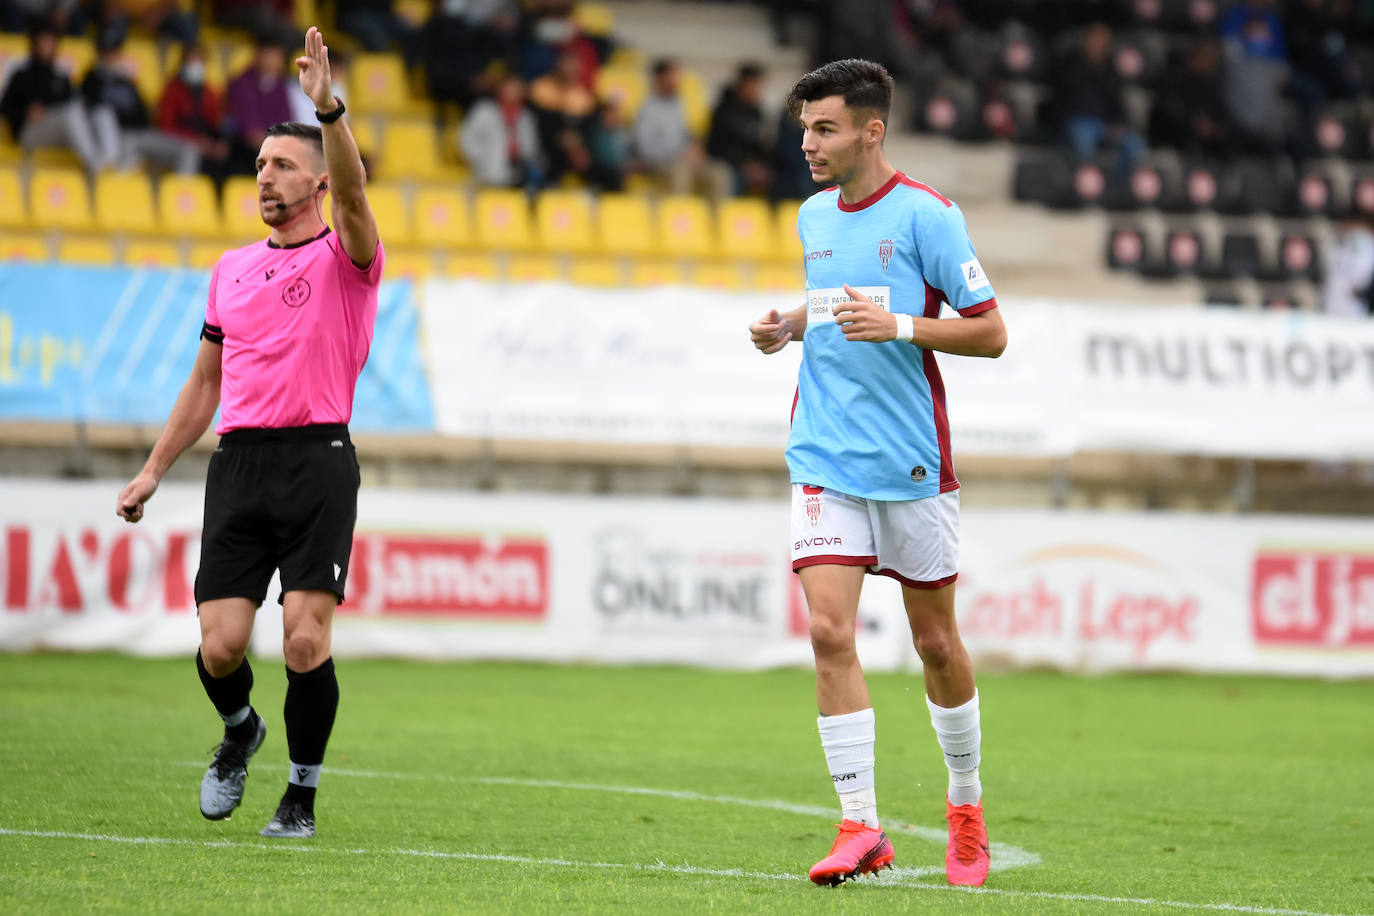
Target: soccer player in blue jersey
(873, 487)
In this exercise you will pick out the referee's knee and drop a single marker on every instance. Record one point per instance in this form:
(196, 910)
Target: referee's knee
(305, 648)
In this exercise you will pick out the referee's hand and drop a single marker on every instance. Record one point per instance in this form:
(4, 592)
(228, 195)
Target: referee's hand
(129, 505)
(770, 333)
(864, 319)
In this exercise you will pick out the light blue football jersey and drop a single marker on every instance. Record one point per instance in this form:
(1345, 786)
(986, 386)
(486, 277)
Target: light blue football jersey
(869, 418)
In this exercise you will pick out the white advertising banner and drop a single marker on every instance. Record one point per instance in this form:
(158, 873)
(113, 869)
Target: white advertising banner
(676, 366)
(438, 574)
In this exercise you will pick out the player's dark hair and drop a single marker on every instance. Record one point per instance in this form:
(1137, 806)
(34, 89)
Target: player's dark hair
(663, 65)
(307, 132)
(865, 86)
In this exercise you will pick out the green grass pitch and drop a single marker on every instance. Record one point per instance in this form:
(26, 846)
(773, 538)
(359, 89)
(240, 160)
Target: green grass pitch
(496, 788)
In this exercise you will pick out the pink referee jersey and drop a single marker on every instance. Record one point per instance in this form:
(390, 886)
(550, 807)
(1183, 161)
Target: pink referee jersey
(296, 324)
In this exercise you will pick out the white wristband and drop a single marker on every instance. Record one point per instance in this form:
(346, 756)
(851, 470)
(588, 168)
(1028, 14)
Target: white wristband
(906, 326)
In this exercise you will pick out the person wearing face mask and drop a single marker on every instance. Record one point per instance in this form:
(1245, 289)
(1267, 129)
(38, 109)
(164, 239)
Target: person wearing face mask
(192, 110)
(1348, 270)
(117, 111)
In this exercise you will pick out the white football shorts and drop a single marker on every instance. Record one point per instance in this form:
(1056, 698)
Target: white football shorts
(913, 541)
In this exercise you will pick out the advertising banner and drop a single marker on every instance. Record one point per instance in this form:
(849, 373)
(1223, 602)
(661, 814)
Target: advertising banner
(115, 345)
(448, 575)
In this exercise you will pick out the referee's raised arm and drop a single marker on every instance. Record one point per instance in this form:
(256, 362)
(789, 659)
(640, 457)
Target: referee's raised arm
(353, 220)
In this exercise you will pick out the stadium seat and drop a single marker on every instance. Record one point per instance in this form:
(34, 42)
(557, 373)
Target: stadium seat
(377, 84)
(745, 228)
(242, 214)
(152, 253)
(410, 150)
(1240, 255)
(203, 255)
(54, 157)
(13, 213)
(624, 83)
(696, 105)
(1254, 187)
(75, 55)
(392, 211)
(718, 275)
(469, 266)
(1362, 196)
(1298, 258)
(657, 272)
(143, 62)
(404, 263)
(563, 220)
(502, 218)
(441, 217)
(23, 246)
(533, 268)
(188, 207)
(595, 19)
(596, 271)
(1312, 195)
(1183, 252)
(14, 49)
(58, 199)
(788, 247)
(773, 278)
(366, 136)
(684, 227)
(86, 249)
(624, 225)
(124, 203)
(1126, 248)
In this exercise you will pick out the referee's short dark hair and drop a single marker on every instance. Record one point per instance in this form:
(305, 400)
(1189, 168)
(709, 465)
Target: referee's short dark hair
(865, 86)
(310, 133)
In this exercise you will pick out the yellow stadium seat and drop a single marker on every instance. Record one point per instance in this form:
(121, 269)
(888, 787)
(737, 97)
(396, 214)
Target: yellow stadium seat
(86, 249)
(718, 275)
(13, 213)
(624, 83)
(596, 272)
(502, 218)
(470, 267)
(14, 49)
(23, 246)
(366, 137)
(152, 253)
(657, 272)
(242, 213)
(441, 217)
(55, 157)
(203, 255)
(377, 84)
(187, 205)
(624, 225)
(684, 227)
(410, 149)
(236, 58)
(392, 210)
(778, 278)
(745, 228)
(58, 199)
(595, 19)
(564, 221)
(75, 55)
(9, 153)
(788, 248)
(144, 63)
(696, 107)
(124, 203)
(408, 264)
(533, 268)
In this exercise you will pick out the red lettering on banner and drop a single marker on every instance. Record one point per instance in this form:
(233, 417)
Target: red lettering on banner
(1036, 611)
(1139, 619)
(61, 588)
(1307, 598)
(16, 569)
(449, 576)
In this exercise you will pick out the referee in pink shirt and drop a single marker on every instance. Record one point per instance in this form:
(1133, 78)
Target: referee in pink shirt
(287, 329)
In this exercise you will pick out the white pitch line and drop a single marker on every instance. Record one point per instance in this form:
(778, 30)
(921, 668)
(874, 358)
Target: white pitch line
(903, 878)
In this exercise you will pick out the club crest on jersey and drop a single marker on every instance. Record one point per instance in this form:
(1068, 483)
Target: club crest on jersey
(885, 252)
(814, 503)
(296, 293)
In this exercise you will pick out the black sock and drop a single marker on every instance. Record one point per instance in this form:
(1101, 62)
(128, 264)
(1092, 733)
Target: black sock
(312, 698)
(230, 694)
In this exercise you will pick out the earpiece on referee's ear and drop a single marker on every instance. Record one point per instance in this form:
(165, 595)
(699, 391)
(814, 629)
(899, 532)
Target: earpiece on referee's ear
(324, 186)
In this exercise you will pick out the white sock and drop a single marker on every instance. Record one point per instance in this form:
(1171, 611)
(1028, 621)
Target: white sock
(960, 738)
(848, 744)
(302, 775)
(237, 718)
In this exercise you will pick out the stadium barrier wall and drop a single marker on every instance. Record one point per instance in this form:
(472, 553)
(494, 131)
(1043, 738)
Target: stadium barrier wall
(631, 580)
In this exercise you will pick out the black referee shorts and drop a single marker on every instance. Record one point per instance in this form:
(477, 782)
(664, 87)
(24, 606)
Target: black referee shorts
(282, 499)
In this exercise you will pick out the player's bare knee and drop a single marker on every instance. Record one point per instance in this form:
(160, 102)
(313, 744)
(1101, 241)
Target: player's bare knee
(935, 648)
(830, 636)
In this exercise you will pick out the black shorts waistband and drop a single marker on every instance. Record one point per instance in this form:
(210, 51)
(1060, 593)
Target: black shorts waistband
(285, 434)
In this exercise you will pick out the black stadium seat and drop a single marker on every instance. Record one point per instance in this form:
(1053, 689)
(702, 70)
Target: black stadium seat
(1240, 255)
(1183, 253)
(1042, 178)
(1127, 248)
(1298, 258)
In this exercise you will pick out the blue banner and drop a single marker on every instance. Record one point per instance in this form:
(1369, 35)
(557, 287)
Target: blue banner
(115, 344)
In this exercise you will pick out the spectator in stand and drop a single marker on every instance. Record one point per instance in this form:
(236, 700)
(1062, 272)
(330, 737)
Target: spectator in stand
(1237, 25)
(1319, 51)
(564, 107)
(379, 27)
(116, 108)
(549, 35)
(258, 98)
(1089, 97)
(1348, 279)
(269, 20)
(609, 141)
(192, 110)
(499, 138)
(792, 175)
(63, 16)
(161, 17)
(738, 137)
(43, 111)
(1256, 76)
(1189, 113)
(664, 147)
(466, 45)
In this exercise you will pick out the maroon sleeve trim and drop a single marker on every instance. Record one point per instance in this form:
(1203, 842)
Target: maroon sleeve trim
(986, 305)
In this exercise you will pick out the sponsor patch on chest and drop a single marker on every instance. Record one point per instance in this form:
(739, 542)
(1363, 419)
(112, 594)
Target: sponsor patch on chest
(821, 302)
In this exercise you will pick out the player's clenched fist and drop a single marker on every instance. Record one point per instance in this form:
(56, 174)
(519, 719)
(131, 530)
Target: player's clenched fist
(770, 333)
(864, 319)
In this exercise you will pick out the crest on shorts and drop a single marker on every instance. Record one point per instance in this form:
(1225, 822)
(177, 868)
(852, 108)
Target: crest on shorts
(814, 503)
(885, 252)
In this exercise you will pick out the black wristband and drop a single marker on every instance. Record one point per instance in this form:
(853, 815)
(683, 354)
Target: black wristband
(332, 116)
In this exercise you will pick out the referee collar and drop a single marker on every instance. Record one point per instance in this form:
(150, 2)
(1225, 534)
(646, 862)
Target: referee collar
(323, 233)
